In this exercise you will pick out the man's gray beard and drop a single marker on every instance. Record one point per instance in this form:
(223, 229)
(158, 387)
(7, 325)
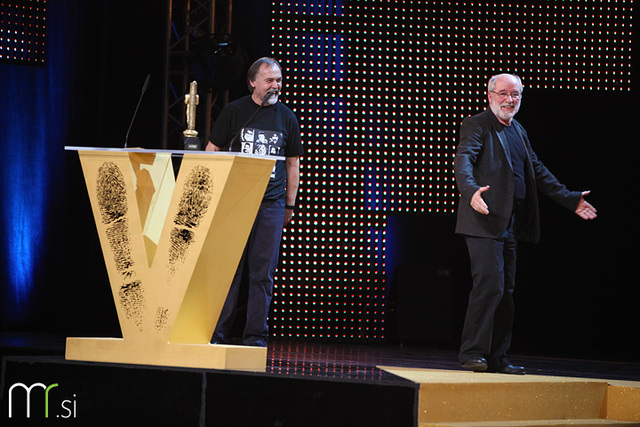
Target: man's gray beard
(497, 110)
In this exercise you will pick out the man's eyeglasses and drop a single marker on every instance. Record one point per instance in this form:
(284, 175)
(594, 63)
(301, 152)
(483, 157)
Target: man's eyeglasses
(504, 95)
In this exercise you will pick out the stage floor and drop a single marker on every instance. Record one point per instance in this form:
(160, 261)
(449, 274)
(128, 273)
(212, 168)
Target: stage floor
(359, 361)
(320, 384)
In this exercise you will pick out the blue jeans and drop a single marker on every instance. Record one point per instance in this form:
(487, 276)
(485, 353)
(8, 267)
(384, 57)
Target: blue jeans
(257, 265)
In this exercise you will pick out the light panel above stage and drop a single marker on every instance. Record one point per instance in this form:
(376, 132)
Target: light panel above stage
(380, 89)
(23, 31)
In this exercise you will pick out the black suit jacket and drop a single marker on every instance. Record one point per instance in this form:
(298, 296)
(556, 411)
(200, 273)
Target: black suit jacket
(482, 159)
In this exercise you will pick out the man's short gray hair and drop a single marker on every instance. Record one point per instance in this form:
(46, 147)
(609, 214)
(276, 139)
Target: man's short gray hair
(492, 81)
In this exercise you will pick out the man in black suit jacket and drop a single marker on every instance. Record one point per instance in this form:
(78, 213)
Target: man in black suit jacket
(498, 175)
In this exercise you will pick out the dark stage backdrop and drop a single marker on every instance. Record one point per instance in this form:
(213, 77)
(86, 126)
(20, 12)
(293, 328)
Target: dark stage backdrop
(380, 89)
(35, 88)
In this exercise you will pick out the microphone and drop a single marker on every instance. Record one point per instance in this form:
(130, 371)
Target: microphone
(144, 89)
(269, 94)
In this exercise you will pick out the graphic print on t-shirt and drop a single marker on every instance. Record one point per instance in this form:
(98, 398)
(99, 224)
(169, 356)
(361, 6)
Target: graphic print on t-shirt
(262, 142)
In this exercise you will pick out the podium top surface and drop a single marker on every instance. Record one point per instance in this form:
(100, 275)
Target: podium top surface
(173, 152)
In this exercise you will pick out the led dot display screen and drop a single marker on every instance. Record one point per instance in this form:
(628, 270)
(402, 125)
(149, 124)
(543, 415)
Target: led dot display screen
(22, 31)
(380, 88)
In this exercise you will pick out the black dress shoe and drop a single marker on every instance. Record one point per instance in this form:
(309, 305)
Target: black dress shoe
(511, 369)
(476, 364)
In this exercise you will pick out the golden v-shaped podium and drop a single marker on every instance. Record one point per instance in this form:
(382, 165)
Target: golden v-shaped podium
(171, 246)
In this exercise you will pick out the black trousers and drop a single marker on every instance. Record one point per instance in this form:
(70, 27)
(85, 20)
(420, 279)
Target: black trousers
(258, 265)
(489, 320)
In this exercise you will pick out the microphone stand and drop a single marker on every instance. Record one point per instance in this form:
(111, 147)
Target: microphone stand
(268, 95)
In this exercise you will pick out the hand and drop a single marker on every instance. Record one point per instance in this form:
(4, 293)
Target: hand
(288, 214)
(477, 203)
(211, 147)
(584, 209)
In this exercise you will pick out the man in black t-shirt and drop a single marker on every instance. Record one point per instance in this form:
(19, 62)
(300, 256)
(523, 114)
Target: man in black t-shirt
(260, 124)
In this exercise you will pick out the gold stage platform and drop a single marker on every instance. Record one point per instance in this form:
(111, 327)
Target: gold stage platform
(461, 398)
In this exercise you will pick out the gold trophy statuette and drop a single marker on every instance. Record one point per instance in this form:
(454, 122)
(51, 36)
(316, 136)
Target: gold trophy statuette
(191, 100)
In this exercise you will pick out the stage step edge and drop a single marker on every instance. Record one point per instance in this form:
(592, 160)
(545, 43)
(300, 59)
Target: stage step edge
(461, 398)
(537, 423)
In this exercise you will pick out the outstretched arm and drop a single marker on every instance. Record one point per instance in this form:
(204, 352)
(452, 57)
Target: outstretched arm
(585, 210)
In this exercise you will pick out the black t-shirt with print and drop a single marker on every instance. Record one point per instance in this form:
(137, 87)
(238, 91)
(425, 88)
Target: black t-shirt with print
(274, 131)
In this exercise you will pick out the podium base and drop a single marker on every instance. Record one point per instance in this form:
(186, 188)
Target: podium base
(207, 356)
